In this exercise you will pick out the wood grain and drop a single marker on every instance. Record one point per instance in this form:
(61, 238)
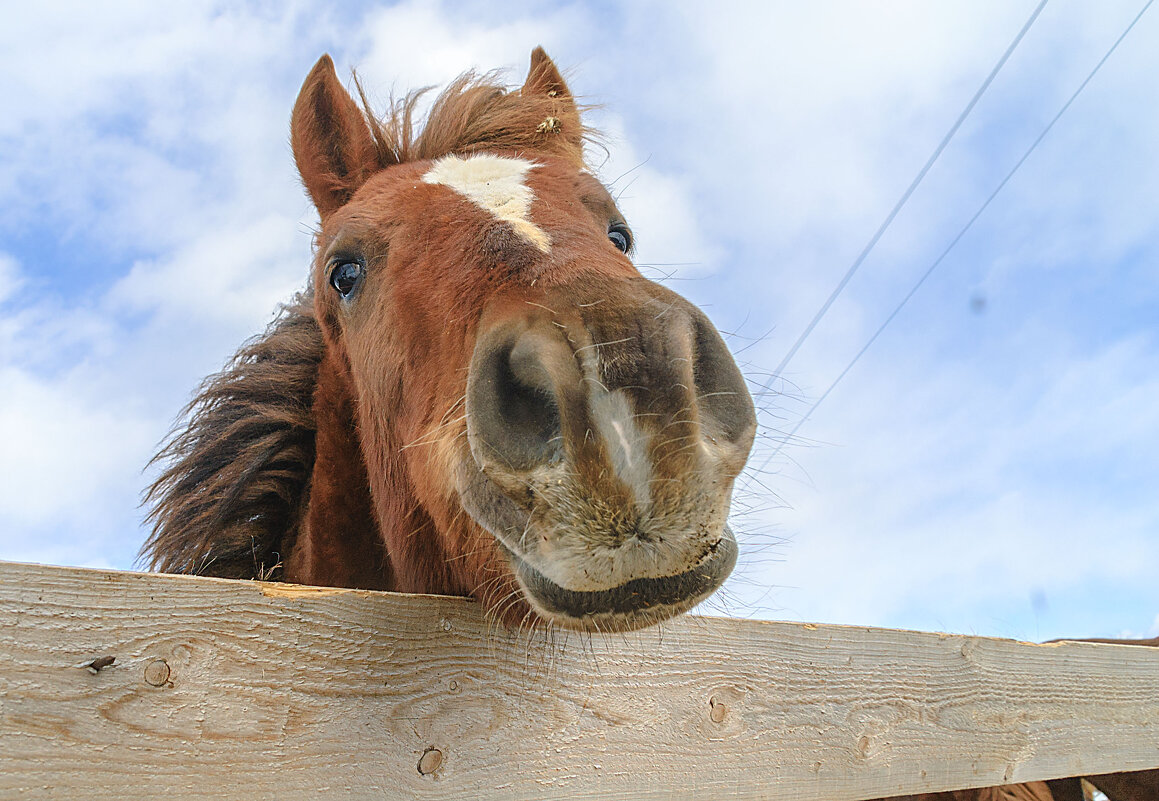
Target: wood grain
(226, 689)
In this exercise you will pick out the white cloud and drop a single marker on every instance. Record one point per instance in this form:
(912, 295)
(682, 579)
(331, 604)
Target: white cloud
(952, 459)
(158, 136)
(765, 144)
(947, 499)
(416, 44)
(10, 281)
(66, 454)
(235, 274)
(659, 206)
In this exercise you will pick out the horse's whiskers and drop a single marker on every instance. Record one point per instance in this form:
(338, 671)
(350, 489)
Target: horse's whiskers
(541, 306)
(597, 345)
(431, 437)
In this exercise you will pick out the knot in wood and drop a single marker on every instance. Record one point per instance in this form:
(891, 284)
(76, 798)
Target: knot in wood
(430, 761)
(157, 672)
(716, 709)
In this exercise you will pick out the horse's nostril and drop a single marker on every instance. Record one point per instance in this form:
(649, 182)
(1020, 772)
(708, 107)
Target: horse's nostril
(512, 412)
(526, 398)
(725, 404)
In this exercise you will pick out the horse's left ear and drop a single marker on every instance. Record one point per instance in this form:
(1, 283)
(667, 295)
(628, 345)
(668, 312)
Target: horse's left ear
(561, 123)
(331, 140)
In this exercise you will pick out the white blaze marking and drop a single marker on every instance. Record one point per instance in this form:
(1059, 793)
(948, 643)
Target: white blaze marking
(627, 444)
(496, 185)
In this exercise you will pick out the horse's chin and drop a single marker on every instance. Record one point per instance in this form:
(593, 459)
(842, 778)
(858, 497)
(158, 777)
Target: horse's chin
(635, 604)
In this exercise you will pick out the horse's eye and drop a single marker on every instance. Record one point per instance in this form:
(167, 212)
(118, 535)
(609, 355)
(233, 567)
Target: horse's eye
(346, 276)
(621, 237)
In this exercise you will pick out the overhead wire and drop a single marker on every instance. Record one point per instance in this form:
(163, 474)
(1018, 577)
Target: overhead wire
(889, 218)
(897, 207)
(962, 232)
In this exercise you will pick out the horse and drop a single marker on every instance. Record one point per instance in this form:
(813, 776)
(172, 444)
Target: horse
(477, 393)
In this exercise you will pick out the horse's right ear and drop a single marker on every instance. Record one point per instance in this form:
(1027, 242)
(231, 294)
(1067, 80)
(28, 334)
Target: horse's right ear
(332, 144)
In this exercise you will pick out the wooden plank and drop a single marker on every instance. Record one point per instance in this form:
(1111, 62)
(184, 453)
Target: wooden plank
(242, 689)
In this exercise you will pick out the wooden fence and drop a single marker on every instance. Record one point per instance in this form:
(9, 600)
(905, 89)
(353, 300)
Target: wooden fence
(126, 685)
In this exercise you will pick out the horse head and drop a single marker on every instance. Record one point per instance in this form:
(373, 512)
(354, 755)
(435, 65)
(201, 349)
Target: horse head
(504, 407)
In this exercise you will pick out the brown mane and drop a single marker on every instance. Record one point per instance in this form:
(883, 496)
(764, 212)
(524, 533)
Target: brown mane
(238, 460)
(475, 112)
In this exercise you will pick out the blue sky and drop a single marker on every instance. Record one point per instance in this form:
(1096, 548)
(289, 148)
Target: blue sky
(989, 466)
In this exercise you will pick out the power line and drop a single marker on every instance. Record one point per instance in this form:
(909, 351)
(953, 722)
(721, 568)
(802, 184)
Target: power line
(905, 196)
(969, 224)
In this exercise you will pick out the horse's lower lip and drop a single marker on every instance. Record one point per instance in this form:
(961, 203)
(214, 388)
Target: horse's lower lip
(633, 604)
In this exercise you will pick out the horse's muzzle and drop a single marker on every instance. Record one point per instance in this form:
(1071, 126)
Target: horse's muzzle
(601, 453)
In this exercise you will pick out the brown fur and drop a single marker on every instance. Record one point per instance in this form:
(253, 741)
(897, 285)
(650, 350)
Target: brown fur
(1031, 791)
(1132, 786)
